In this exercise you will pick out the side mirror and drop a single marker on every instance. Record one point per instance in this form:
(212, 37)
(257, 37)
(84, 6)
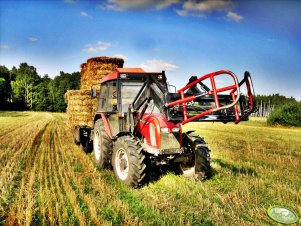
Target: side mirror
(93, 93)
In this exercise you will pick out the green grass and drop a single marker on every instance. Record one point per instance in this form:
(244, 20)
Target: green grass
(45, 179)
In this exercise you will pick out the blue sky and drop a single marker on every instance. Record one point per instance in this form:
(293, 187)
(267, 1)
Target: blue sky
(184, 38)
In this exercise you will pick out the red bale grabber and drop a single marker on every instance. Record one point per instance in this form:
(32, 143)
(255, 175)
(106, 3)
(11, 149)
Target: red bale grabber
(232, 100)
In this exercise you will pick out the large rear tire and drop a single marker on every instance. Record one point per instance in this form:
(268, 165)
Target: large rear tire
(102, 146)
(199, 168)
(128, 161)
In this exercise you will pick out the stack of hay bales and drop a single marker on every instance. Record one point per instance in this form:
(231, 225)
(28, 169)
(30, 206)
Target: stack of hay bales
(81, 107)
(96, 68)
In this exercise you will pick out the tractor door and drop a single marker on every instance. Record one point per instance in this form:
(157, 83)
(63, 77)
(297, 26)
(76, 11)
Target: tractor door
(108, 98)
(108, 104)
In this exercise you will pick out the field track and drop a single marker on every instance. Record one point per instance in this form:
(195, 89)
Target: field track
(47, 180)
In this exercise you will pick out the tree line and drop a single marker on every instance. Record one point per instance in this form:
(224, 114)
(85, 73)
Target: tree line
(23, 89)
(266, 104)
(275, 99)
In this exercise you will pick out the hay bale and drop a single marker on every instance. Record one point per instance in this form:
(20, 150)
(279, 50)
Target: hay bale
(81, 107)
(96, 68)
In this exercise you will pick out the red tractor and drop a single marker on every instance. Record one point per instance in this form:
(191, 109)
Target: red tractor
(138, 124)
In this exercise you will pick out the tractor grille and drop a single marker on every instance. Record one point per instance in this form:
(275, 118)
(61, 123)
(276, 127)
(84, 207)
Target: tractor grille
(170, 141)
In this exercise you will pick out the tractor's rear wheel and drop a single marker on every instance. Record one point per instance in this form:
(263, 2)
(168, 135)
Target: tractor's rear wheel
(128, 161)
(199, 168)
(102, 146)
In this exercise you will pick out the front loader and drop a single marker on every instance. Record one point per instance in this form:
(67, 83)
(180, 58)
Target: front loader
(138, 124)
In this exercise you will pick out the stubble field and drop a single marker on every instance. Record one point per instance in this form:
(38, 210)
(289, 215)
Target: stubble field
(47, 180)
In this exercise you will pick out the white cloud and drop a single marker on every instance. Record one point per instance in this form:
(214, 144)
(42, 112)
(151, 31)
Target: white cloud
(158, 65)
(4, 47)
(123, 5)
(234, 16)
(33, 39)
(119, 55)
(198, 8)
(194, 8)
(98, 47)
(164, 3)
(84, 14)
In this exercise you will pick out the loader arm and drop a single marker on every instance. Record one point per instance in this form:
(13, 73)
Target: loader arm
(152, 89)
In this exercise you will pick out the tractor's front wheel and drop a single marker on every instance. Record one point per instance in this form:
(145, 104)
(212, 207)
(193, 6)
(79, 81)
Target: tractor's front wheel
(199, 168)
(128, 161)
(102, 146)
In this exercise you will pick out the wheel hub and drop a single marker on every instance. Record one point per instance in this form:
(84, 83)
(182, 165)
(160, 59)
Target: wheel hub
(96, 146)
(122, 164)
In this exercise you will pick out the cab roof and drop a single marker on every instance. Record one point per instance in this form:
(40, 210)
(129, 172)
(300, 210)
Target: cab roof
(114, 75)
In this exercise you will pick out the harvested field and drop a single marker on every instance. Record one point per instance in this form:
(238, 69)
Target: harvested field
(47, 180)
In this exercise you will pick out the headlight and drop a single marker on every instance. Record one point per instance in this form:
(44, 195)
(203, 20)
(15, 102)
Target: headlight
(123, 76)
(152, 134)
(164, 130)
(175, 129)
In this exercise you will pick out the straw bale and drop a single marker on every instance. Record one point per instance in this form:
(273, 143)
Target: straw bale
(96, 68)
(81, 107)
(78, 95)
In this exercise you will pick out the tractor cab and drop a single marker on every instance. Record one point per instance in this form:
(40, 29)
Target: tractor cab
(118, 92)
(119, 89)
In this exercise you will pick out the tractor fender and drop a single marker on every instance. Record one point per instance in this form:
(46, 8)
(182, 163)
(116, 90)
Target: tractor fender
(96, 117)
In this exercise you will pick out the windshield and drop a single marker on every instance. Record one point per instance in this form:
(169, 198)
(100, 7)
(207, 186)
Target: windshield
(129, 91)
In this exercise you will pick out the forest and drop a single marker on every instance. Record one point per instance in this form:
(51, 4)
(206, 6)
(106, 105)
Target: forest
(23, 88)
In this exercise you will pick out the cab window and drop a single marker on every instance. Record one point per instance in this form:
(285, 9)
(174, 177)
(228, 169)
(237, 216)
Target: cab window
(108, 97)
(129, 91)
